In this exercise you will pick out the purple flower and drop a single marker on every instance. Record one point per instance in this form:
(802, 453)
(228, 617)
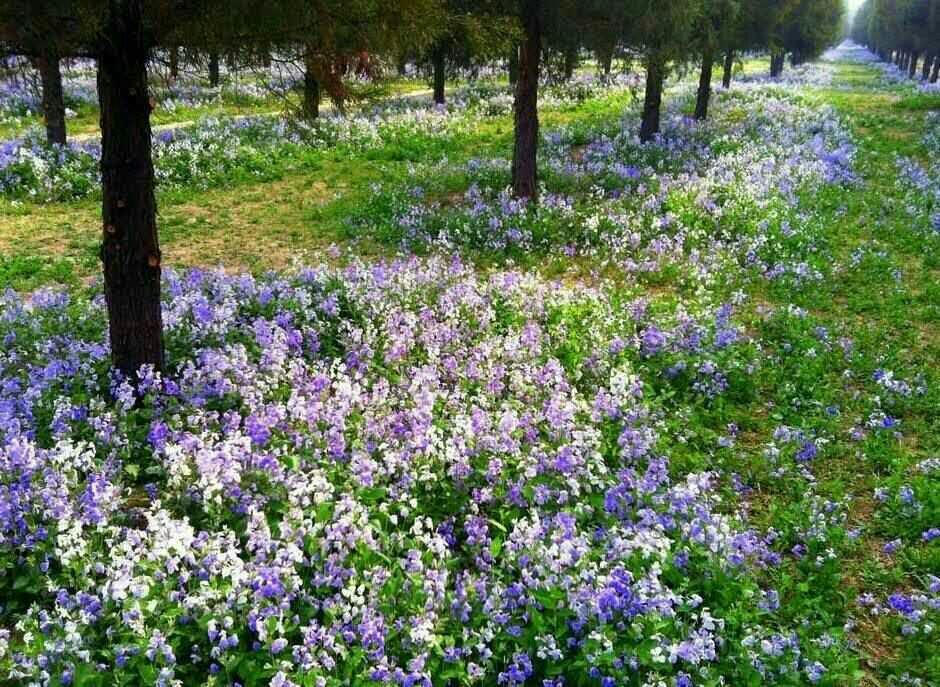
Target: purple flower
(892, 547)
(652, 341)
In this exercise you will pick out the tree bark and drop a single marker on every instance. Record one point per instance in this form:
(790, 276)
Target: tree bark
(130, 250)
(53, 101)
(174, 61)
(439, 60)
(912, 66)
(704, 86)
(607, 61)
(728, 69)
(213, 69)
(935, 72)
(514, 65)
(525, 152)
(311, 103)
(928, 62)
(571, 58)
(653, 99)
(776, 64)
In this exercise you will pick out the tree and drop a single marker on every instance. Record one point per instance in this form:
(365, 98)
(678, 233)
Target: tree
(800, 28)
(122, 35)
(53, 99)
(915, 22)
(355, 31)
(661, 30)
(130, 250)
(471, 33)
(727, 71)
(713, 31)
(810, 27)
(603, 27)
(214, 69)
(45, 56)
(902, 31)
(539, 21)
(755, 27)
(526, 110)
(768, 21)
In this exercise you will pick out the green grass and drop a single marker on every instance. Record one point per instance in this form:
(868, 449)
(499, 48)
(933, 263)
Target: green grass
(28, 272)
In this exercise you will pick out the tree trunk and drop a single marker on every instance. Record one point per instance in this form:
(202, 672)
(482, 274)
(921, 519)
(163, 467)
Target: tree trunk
(607, 61)
(776, 64)
(704, 86)
(524, 159)
(925, 70)
(514, 65)
(728, 70)
(53, 102)
(213, 69)
(653, 99)
(174, 61)
(571, 58)
(935, 72)
(912, 66)
(439, 61)
(311, 104)
(130, 250)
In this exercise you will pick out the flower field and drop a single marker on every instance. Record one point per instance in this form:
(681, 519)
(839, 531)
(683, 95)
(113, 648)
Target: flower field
(676, 425)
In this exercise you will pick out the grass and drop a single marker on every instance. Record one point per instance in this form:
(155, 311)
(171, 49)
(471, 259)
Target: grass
(262, 225)
(893, 311)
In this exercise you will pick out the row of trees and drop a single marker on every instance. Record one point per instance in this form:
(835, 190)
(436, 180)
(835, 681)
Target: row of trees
(906, 32)
(664, 35)
(325, 35)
